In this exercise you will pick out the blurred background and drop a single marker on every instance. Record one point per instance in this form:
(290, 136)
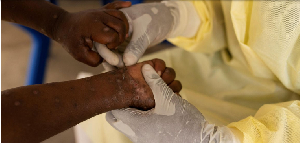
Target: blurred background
(16, 47)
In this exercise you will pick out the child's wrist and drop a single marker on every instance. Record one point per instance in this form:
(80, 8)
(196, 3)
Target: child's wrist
(61, 18)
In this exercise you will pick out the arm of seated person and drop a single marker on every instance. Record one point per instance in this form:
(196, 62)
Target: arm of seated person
(35, 113)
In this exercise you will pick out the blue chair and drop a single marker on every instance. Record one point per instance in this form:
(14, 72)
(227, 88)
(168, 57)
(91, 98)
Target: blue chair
(40, 51)
(38, 57)
(39, 54)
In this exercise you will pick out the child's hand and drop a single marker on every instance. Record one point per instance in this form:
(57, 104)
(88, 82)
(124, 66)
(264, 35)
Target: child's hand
(77, 31)
(138, 93)
(143, 97)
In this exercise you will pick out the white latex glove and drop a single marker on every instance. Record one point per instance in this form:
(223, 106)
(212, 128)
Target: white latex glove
(112, 57)
(172, 120)
(150, 24)
(107, 67)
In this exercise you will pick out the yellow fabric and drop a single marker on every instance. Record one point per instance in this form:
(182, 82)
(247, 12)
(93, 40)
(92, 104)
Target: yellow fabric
(272, 123)
(98, 130)
(265, 33)
(211, 29)
(243, 62)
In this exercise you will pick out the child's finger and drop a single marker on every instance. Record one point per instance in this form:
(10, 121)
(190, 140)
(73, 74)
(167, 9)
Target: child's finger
(117, 5)
(159, 66)
(118, 25)
(107, 36)
(176, 86)
(119, 15)
(88, 57)
(168, 75)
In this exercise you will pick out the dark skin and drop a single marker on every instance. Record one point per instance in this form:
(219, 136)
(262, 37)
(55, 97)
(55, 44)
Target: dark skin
(35, 113)
(74, 31)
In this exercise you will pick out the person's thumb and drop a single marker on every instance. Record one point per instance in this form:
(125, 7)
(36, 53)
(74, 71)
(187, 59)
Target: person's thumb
(138, 42)
(117, 5)
(161, 91)
(113, 58)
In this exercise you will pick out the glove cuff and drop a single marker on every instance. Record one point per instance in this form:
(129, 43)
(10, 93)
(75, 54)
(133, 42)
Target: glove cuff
(227, 136)
(216, 134)
(186, 19)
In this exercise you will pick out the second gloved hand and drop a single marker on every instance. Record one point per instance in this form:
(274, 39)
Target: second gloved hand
(151, 23)
(172, 120)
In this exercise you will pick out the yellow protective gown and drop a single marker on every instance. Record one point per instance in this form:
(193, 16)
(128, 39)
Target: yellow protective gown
(242, 69)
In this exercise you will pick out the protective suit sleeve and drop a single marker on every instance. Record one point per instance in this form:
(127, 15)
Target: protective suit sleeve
(210, 36)
(273, 123)
(269, 36)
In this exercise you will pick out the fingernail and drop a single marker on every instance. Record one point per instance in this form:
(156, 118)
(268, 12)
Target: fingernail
(129, 58)
(159, 73)
(147, 67)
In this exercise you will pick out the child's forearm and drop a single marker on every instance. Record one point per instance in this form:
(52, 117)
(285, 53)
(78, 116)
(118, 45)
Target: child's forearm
(77, 31)
(37, 14)
(35, 113)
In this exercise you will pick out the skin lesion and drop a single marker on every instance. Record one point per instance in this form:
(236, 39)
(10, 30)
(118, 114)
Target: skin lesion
(131, 88)
(143, 98)
(51, 106)
(5, 93)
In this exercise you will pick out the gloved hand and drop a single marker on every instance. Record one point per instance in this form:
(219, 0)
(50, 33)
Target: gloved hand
(172, 120)
(151, 23)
